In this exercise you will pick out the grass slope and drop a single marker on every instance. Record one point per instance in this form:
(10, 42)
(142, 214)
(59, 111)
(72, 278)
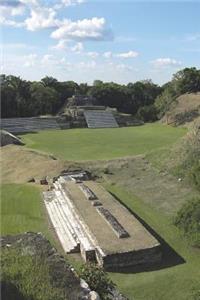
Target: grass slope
(90, 144)
(174, 283)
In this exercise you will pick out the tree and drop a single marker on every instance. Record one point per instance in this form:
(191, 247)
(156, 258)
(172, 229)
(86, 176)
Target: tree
(142, 93)
(15, 94)
(83, 88)
(109, 94)
(147, 113)
(184, 81)
(187, 81)
(43, 99)
(49, 81)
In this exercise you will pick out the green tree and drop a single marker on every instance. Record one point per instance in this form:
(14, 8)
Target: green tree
(187, 81)
(43, 99)
(147, 113)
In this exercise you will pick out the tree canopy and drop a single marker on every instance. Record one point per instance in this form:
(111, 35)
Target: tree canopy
(21, 98)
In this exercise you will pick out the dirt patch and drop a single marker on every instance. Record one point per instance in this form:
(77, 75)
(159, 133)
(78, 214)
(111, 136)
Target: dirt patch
(19, 165)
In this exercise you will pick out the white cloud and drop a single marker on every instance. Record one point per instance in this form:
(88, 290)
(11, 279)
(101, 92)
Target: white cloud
(87, 65)
(62, 45)
(30, 2)
(129, 54)
(11, 8)
(107, 54)
(165, 62)
(86, 29)
(41, 18)
(12, 23)
(30, 60)
(47, 58)
(124, 67)
(78, 48)
(93, 54)
(72, 2)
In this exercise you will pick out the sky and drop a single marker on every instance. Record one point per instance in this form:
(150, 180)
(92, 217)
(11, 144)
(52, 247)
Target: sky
(80, 40)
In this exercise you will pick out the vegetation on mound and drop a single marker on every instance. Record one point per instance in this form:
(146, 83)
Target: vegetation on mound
(97, 279)
(90, 144)
(184, 81)
(188, 220)
(189, 152)
(25, 277)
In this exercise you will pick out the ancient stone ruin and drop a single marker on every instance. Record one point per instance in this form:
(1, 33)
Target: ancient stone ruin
(8, 138)
(87, 219)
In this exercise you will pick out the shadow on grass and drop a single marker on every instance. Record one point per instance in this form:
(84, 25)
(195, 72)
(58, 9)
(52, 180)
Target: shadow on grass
(170, 257)
(10, 292)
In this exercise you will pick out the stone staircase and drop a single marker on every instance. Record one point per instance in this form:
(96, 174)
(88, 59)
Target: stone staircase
(100, 119)
(70, 230)
(23, 125)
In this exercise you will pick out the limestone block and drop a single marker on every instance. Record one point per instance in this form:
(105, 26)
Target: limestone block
(113, 222)
(94, 296)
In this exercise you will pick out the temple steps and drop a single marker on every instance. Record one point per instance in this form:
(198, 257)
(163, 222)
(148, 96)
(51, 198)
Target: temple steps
(68, 243)
(100, 119)
(69, 228)
(21, 125)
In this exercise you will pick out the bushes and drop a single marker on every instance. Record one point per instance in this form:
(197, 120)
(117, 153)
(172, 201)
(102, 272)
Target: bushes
(189, 153)
(188, 220)
(97, 279)
(147, 113)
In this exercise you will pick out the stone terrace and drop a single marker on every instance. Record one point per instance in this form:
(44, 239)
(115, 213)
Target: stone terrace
(87, 219)
(139, 238)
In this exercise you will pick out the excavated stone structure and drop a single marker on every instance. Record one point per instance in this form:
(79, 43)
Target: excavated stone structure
(87, 219)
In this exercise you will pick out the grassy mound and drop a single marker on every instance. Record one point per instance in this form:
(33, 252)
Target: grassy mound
(186, 108)
(188, 219)
(90, 144)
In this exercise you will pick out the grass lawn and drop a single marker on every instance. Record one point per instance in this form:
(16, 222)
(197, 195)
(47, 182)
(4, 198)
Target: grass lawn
(92, 144)
(22, 210)
(174, 283)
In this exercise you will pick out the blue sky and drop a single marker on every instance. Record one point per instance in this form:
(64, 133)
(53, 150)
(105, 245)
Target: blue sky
(121, 41)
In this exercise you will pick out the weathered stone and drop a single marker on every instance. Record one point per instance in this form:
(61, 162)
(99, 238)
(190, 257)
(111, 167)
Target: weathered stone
(8, 138)
(84, 284)
(94, 296)
(115, 225)
(43, 181)
(96, 203)
(88, 193)
(31, 179)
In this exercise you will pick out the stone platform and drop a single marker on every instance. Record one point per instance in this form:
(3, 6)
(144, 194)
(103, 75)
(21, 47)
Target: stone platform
(107, 233)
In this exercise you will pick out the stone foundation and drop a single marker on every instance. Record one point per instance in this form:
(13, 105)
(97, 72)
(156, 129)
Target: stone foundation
(112, 237)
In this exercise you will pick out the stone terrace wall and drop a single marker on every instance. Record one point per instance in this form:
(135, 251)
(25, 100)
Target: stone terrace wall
(128, 259)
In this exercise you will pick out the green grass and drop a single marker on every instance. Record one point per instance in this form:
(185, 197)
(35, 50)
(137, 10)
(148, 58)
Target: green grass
(174, 283)
(27, 277)
(92, 144)
(22, 209)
